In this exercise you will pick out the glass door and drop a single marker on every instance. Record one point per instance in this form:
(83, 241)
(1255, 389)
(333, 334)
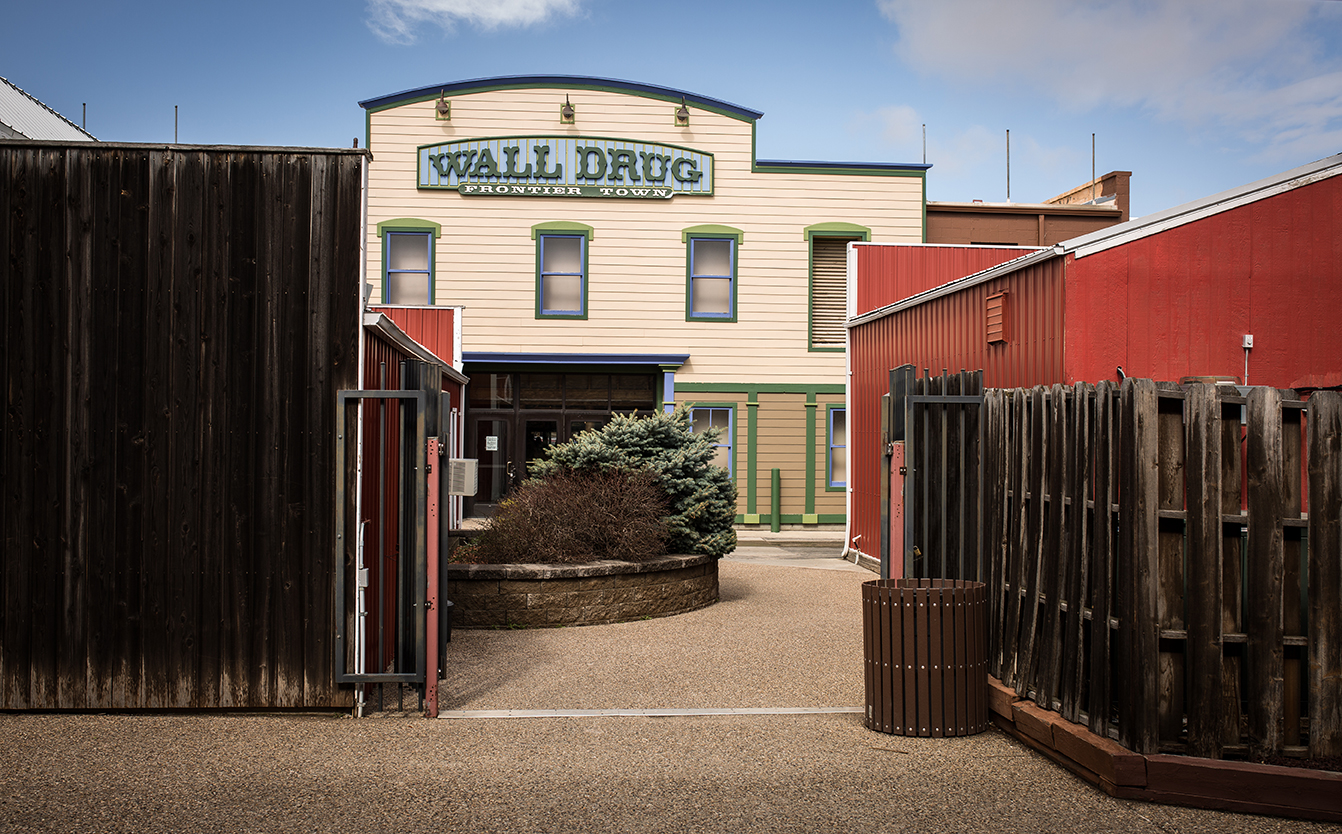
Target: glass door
(496, 469)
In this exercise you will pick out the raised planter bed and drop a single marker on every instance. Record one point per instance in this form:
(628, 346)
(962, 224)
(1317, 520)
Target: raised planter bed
(501, 596)
(1172, 780)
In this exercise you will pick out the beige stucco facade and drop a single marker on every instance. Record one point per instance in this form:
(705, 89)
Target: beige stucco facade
(760, 359)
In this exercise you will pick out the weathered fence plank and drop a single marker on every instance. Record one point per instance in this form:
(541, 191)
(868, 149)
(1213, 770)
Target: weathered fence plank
(1203, 445)
(1053, 555)
(1266, 557)
(1102, 571)
(1325, 573)
(1138, 582)
(162, 317)
(1079, 557)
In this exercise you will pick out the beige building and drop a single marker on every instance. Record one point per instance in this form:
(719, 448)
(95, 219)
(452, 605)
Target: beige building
(617, 246)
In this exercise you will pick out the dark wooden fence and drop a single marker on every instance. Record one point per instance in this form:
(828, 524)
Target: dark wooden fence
(1167, 564)
(177, 322)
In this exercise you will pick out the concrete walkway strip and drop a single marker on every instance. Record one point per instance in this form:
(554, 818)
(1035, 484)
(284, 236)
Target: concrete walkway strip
(644, 713)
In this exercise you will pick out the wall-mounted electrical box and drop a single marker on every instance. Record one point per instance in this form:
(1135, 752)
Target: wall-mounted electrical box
(462, 476)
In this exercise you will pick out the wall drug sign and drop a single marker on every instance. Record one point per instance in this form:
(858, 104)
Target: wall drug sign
(541, 166)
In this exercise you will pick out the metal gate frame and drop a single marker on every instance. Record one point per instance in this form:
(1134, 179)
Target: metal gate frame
(419, 547)
(905, 422)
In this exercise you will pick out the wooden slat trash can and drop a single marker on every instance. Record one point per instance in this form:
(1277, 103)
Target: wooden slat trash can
(925, 645)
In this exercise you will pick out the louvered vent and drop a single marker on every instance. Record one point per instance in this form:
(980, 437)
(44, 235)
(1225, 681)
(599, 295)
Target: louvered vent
(829, 290)
(997, 318)
(462, 476)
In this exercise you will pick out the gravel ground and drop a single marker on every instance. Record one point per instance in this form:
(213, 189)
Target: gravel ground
(783, 636)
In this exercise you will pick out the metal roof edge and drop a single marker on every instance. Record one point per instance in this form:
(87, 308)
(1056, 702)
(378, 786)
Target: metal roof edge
(168, 146)
(958, 284)
(1151, 224)
(561, 81)
(49, 109)
(384, 325)
(925, 245)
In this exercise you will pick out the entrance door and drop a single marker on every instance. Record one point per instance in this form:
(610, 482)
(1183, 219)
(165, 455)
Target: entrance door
(539, 434)
(515, 417)
(496, 468)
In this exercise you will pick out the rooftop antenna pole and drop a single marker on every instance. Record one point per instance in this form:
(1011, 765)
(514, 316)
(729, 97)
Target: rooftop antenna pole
(1092, 167)
(174, 124)
(84, 119)
(924, 144)
(1008, 165)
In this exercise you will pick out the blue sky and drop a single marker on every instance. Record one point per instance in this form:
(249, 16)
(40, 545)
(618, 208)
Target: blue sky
(1192, 96)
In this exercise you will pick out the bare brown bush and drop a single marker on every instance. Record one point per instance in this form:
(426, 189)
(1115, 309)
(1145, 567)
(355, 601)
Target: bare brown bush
(572, 517)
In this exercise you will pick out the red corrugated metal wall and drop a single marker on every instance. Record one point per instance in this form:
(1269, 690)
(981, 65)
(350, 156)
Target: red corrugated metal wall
(950, 334)
(1178, 303)
(430, 326)
(892, 272)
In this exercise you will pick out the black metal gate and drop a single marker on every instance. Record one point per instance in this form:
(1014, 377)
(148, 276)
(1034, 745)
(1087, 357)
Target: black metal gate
(936, 423)
(382, 589)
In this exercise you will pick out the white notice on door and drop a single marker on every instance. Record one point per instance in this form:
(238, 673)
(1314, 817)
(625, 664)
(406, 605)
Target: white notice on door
(492, 443)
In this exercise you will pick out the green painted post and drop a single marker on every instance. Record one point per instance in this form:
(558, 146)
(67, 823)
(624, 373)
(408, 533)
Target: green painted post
(775, 502)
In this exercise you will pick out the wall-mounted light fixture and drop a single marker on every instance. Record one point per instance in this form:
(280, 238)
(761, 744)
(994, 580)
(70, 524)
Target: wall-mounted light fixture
(443, 110)
(682, 114)
(566, 113)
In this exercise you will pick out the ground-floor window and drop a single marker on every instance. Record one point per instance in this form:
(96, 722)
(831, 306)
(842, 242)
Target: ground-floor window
(837, 442)
(703, 418)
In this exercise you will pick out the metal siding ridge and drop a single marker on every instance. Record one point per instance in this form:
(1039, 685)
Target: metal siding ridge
(1207, 207)
(960, 284)
(380, 323)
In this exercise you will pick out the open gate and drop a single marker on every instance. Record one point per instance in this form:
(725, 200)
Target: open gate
(388, 532)
(932, 477)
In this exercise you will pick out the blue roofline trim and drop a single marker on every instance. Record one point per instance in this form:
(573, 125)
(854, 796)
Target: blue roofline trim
(842, 166)
(561, 81)
(497, 358)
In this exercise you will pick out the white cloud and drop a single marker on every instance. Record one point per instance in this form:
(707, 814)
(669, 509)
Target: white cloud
(1262, 68)
(398, 21)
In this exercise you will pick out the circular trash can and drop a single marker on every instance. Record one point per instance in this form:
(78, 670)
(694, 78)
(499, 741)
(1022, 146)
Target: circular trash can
(925, 647)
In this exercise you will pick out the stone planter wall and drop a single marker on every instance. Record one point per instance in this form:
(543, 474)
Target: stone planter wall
(494, 596)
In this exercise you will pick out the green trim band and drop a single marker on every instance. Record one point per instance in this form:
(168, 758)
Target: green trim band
(792, 518)
(562, 227)
(837, 230)
(409, 224)
(811, 406)
(752, 421)
(754, 388)
(712, 230)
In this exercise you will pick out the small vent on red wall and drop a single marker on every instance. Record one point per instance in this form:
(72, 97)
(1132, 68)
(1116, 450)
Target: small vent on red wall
(997, 318)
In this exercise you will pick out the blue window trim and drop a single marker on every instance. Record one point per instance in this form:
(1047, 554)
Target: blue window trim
(409, 226)
(728, 437)
(541, 237)
(690, 239)
(831, 483)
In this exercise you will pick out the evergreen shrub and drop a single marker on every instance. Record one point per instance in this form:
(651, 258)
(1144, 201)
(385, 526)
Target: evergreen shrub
(701, 495)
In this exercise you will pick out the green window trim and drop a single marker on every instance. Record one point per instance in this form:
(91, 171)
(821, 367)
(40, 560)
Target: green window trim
(830, 232)
(409, 226)
(561, 232)
(562, 227)
(712, 230)
(706, 234)
(837, 230)
(832, 485)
